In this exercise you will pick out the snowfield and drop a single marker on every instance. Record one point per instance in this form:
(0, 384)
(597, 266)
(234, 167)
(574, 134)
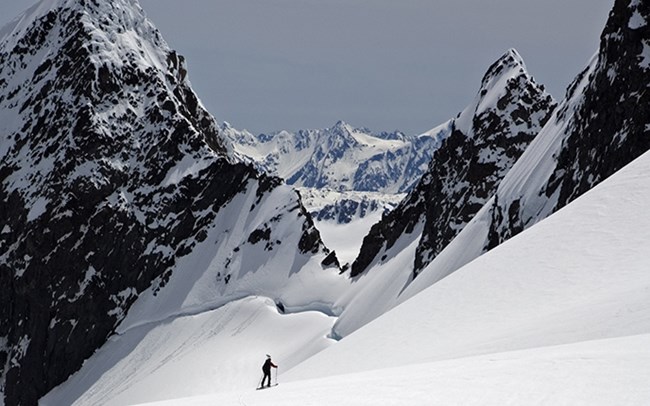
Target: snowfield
(215, 350)
(606, 372)
(557, 315)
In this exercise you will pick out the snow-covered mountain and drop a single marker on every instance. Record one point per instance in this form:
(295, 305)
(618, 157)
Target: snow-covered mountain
(116, 183)
(344, 218)
(134, 251)
(557, 315)
(485, 140)
(341, 158)
(344, 206)
(602, 125)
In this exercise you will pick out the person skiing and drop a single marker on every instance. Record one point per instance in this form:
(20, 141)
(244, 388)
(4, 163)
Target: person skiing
(266, 368)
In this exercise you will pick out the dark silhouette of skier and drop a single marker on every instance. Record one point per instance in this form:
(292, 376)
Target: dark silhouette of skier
(266, 368)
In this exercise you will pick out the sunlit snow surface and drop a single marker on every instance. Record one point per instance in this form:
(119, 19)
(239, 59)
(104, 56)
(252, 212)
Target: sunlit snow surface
(216, 350)
(607, 372)
(557, 315)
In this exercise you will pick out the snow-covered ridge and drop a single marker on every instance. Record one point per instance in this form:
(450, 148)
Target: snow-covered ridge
(344, 206)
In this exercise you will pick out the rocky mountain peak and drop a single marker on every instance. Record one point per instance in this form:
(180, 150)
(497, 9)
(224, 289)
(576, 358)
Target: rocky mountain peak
(342, 126)
(511, 61)
(486, 139)
(504, 99)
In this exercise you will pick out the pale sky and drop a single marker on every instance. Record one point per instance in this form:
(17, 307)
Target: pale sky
(267, 65)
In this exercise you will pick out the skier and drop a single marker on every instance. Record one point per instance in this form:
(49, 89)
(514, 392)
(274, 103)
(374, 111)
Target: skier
(266, 368)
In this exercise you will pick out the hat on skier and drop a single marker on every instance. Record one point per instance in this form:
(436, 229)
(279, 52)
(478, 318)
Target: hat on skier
(268, 356)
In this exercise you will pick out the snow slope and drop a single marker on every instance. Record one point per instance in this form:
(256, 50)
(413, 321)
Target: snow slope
(579, 275)
(345, 239)
(603, 372)
(215, 350)
(219, 312)
(558, 315)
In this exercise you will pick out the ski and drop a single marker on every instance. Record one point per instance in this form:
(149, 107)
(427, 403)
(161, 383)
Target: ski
(266, 387)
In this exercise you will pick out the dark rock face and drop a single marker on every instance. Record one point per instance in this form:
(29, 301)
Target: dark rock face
(486, 140)
(604, 122)
(331, 260)
(110, 171)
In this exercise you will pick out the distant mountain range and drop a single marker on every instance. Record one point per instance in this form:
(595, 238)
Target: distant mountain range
(359, 171)
(340, 158)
